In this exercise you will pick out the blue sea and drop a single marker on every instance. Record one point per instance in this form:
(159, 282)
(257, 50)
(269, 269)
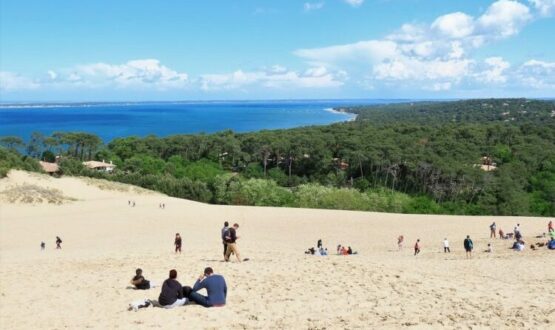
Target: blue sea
(112, 120)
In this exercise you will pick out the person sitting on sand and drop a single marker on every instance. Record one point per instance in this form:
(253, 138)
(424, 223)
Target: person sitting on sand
(468, 246)
(177, 243)
(310, 251)
(231, 239)
(319, 244)
(323, 252)
(339, 249)
(502, 234)
(215, 287)
(58, 242)
(172, 292)
(489, 249)
(344, 251)
(400, 240)
(417, 247)
(350, 251)
(551, 244)
(139, 281)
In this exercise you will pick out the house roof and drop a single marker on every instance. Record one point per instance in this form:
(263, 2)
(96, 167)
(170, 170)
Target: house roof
(49, 167)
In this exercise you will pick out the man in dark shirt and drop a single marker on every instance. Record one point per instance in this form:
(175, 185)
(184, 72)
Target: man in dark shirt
(230, 239)
(224, 232)
(139, 281)
(468, 246)
(215, 287)
(177, 243)
(172, 292)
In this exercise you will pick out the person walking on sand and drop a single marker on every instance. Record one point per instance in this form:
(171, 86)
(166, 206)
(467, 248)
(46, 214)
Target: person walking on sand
(550, 226)
(42, 246)
(177, 243)
(417, 247)
(58, 242)
(492, 230)
(446, 246)
(468, 246)
(223, 234)
(230, 239)
(215, 287)
(400, 240)
(171, 294)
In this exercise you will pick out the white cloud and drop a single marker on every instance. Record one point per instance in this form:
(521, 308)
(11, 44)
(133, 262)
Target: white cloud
(365, 51)
(455, 25)
(438, 87)
(52, 74)
(135, 73)
(10, 81)
(495, 72)
(545, 7)
(275, 77)
(504, 18)
(537, 74)
(310, 6)
(406, 68)
(354, 3)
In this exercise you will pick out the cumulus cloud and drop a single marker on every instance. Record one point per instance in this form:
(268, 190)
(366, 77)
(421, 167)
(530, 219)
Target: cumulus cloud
(537, 74)
(437, 52)
(10, 81)
(545, 7)
(495, 71)
(275, 77)
(354, 3)
(310, 6)
(135, 73)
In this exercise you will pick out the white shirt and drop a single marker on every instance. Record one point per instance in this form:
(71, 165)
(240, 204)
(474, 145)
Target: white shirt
(446, 243)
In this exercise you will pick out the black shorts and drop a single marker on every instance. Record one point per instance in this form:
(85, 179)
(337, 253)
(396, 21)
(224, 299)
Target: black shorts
(468, 249)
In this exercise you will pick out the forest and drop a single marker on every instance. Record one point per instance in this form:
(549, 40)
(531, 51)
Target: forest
(473, 157)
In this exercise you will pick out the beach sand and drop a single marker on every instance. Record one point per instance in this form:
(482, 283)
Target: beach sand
(84, 285)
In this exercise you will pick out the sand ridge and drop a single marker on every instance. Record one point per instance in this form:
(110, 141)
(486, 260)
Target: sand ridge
(104, 240)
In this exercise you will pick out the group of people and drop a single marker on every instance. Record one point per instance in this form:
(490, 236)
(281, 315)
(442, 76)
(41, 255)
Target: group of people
(58, 244)
(229, 241)
(173, 294)
(321, 251)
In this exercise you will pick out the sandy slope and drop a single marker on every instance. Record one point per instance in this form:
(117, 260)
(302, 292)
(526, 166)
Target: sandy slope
(84, 284)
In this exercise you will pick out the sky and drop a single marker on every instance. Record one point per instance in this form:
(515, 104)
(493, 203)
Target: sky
(139, 50)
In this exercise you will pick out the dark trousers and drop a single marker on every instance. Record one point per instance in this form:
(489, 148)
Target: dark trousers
(195, 296)
(225, 247)
(446, 249)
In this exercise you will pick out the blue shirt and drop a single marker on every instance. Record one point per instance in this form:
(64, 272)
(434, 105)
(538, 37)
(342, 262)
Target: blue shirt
(215, 286)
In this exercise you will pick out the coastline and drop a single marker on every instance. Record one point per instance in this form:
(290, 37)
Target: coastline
(342, 111)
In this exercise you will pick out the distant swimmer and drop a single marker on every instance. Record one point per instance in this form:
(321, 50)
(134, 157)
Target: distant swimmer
(177, 243)
(58, 242)
(417, 247)
(468, 246)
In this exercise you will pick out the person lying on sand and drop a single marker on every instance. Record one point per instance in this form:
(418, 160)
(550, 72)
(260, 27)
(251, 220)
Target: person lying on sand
(172, 292)
(139, 281)
(215, 287)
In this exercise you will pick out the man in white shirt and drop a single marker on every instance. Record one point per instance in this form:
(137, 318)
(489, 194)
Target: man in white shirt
(446, 246)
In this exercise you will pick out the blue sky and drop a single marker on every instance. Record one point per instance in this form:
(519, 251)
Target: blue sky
(246, 49)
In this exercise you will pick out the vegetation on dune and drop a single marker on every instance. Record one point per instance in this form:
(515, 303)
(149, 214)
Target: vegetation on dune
(413, 158)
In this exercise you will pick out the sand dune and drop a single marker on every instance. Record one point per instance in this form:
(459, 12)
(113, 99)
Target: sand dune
(104, 240)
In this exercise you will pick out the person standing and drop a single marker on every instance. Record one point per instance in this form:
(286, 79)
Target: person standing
(230, 239)
(550, 226)
(468, 246)
(171, 294)
(417, 247)
(446, 246)
(58, 242)
(177, 243)
(492, 230)
(400, 240)
(215, 287)
(223, 234)
(42, 246)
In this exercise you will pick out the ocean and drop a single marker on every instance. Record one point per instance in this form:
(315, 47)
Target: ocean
(113, 120)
